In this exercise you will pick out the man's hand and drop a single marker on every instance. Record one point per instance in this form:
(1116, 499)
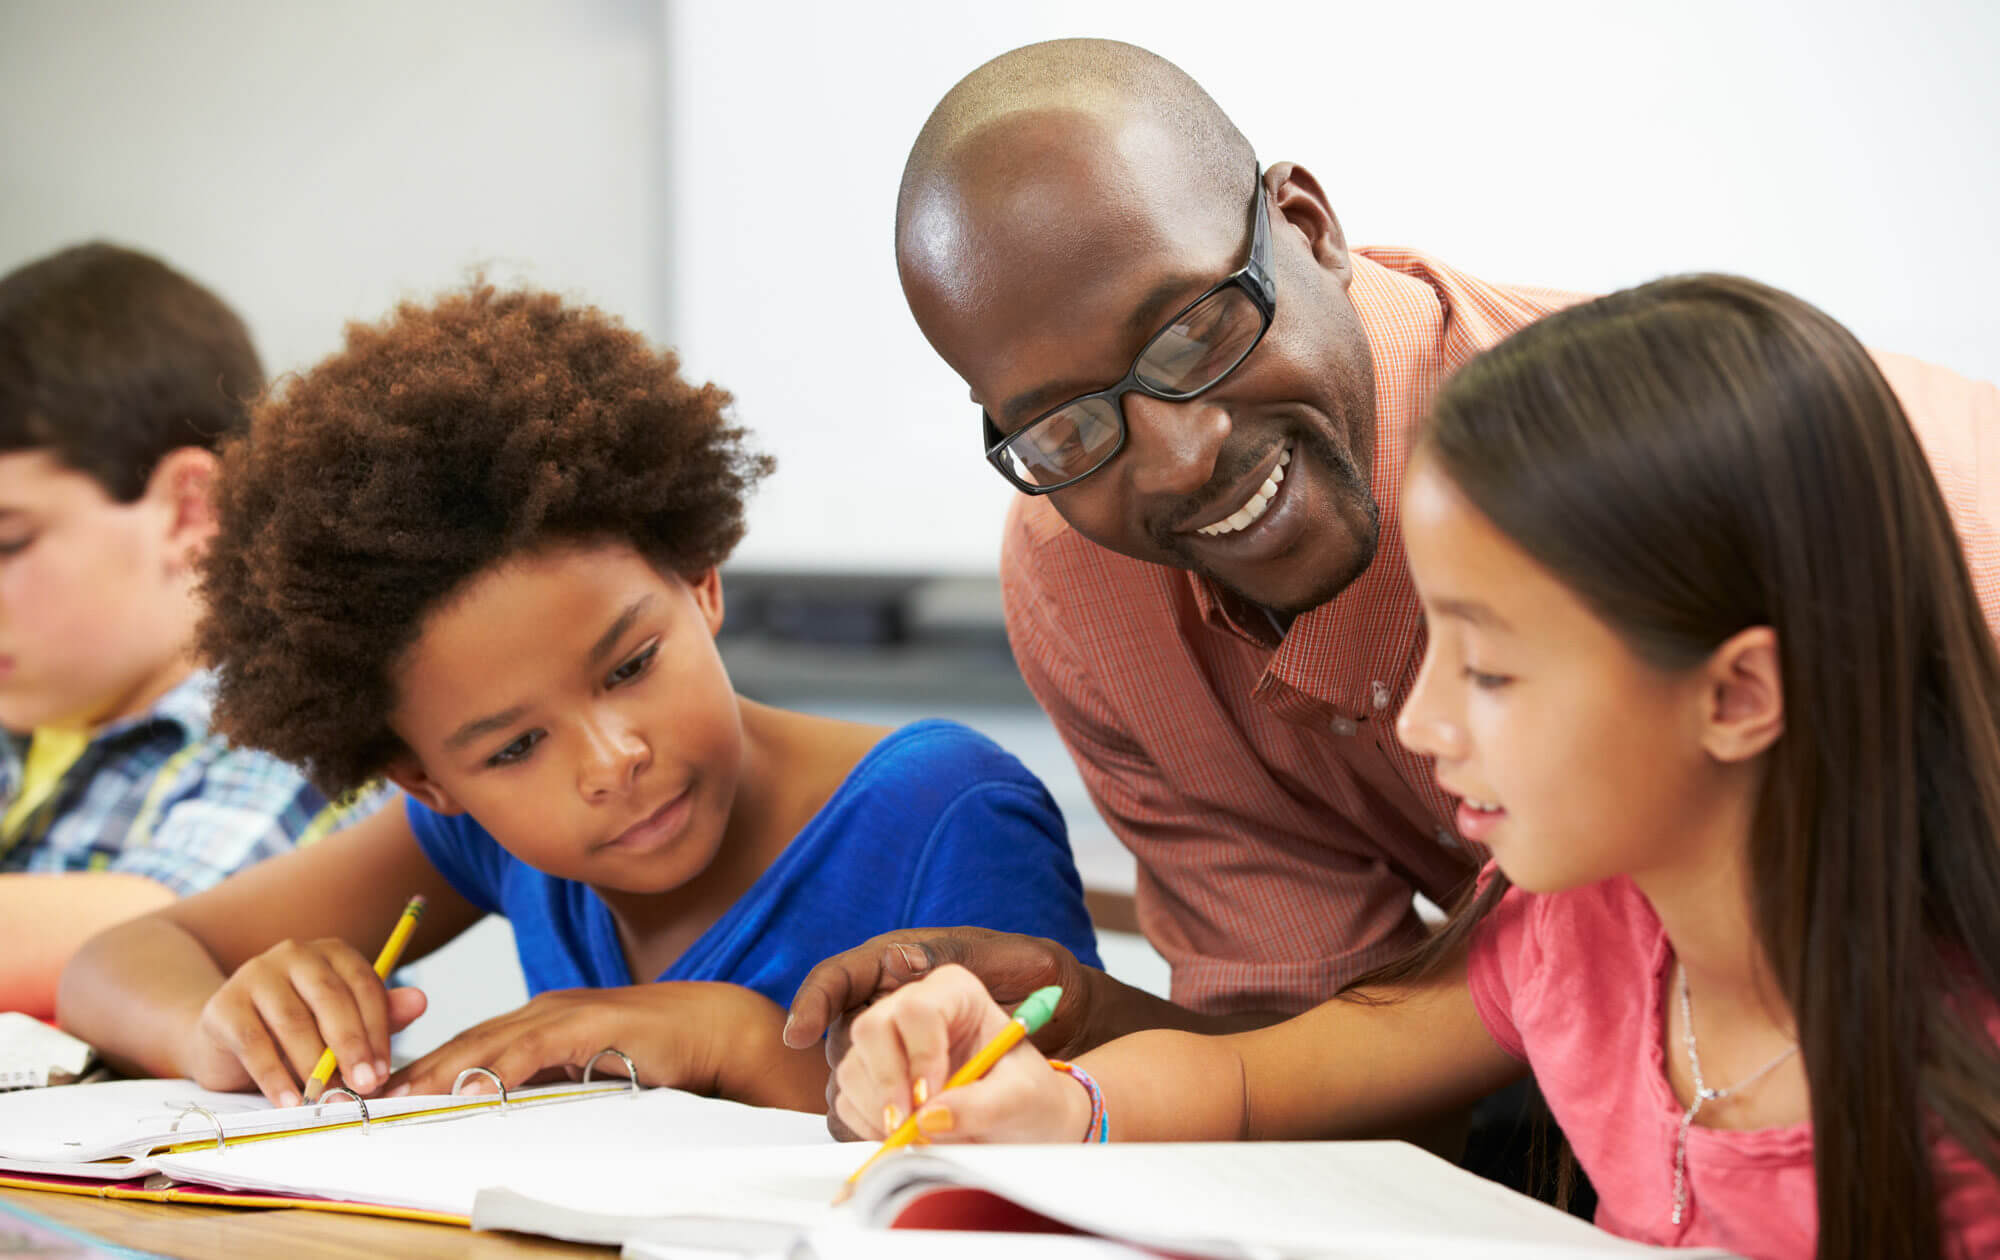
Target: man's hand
(1009, 966)
(708, 1038)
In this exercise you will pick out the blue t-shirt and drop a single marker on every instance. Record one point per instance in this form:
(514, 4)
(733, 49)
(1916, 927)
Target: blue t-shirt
(936, 827)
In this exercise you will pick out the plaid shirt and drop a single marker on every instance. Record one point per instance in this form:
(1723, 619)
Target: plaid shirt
(159, 795)
(1279, 825)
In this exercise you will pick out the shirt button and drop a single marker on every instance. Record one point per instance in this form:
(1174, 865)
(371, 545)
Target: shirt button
(1381, 690)
(1447, 838)
(1344, 726)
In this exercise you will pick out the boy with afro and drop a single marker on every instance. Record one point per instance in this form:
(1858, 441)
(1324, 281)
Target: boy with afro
(476, 552)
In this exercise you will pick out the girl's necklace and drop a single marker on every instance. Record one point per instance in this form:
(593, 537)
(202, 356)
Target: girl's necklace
(1702, 1093)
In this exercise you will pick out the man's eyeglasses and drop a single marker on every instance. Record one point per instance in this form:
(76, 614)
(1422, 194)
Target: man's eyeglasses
(1210, 337)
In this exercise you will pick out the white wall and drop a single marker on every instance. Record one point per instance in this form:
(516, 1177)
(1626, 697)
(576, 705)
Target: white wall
(313, 163)
(723, 174)
(1850, 152)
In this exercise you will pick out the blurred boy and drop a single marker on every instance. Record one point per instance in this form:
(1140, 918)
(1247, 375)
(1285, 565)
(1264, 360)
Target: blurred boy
(118, 378)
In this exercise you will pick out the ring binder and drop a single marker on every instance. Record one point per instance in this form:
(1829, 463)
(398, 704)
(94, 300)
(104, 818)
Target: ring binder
(197, 1107)
(358, 1101)
(489, 1074)
(631, 1071)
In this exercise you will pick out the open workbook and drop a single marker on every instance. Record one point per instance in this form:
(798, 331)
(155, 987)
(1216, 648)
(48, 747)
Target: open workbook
(658, 1168)
(1262, 1199)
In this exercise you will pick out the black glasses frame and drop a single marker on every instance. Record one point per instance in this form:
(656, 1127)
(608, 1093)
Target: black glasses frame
(1253, 277)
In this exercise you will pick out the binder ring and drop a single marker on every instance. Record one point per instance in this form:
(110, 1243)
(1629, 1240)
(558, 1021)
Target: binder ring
(631, 1072)
(489, 1074)
(358, 1101)
(200, 1110)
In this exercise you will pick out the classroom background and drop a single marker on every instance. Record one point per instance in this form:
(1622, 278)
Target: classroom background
(723, 177)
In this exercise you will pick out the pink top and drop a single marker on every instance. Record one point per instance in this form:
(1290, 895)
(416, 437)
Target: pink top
(1574, 984)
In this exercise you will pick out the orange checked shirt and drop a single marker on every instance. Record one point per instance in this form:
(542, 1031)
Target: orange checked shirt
(1279, 826)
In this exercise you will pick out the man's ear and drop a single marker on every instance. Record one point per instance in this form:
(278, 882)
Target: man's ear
(1300, 202)
(1743, 696)
(706, 587)
(183, 488)
(407, 773)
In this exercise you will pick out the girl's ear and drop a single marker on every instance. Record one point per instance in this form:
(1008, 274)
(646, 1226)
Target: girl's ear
(407, 773)
(706, 587)
(1743, 696)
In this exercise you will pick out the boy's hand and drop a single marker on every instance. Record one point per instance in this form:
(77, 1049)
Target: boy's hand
(708, 1038)
(269, 1023)
(906, 1046)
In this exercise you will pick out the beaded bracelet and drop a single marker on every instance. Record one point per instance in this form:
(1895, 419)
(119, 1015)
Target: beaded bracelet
(1100, 1120)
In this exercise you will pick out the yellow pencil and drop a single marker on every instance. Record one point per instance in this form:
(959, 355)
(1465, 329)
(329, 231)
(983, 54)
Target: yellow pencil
(385, 962)
(1028, 1018)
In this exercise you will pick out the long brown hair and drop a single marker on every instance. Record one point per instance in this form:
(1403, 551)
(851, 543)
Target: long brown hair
(1704, 454)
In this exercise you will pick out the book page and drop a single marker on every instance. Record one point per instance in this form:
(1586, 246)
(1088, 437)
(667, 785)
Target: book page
(69, 1124)
(65, 1129)
(1288, 1198)
(1215, 1199)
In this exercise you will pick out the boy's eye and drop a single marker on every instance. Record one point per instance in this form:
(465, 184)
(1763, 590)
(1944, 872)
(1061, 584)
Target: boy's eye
(15, 546)
(633, 668)
(1486, 681)
(515, 751)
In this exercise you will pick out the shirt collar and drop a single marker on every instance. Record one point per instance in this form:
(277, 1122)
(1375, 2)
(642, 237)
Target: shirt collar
(186, 705)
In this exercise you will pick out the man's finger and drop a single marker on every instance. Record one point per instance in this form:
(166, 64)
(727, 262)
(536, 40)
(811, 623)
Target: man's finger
(855, 977)
(826, 991)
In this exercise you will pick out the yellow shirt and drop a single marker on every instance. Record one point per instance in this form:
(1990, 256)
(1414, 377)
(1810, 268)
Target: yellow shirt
(51, 752)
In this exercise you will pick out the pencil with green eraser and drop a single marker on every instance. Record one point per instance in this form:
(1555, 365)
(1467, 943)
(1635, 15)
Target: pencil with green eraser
(385, 962)
(1027, 1020)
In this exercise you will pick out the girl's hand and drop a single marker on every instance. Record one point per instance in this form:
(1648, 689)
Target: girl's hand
(269, 1023)
(906, 1046)
(708, 1038)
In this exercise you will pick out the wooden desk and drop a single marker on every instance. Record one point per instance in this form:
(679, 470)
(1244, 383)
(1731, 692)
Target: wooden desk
(200, 1232)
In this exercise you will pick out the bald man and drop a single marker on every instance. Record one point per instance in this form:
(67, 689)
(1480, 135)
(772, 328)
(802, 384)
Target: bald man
(1205, 395)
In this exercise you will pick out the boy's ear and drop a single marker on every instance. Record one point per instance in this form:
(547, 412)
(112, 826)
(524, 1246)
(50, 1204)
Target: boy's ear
(1300, 203)
(1744, 696)
(183, 485)
(407, 773)
(706, 587)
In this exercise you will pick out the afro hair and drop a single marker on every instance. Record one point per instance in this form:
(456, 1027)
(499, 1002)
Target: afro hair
(431, 448)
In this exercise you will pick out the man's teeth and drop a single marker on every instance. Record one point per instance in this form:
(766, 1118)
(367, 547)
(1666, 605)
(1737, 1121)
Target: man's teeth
(1484, 807)
(1256, 506)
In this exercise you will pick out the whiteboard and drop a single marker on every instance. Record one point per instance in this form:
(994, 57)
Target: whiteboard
(1849, 152)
